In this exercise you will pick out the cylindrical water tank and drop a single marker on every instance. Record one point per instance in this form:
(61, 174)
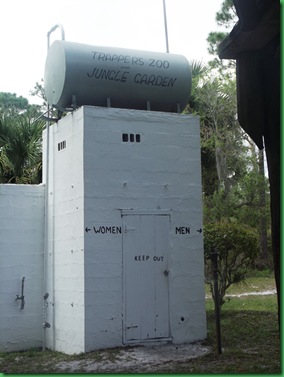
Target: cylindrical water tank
(124, 78)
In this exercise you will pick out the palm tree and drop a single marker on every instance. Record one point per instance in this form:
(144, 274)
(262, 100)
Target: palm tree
(20, 149)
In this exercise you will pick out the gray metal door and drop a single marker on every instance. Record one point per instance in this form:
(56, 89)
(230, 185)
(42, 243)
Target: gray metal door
(145, 267)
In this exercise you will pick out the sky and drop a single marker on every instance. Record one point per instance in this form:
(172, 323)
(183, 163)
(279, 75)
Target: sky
(134, 24)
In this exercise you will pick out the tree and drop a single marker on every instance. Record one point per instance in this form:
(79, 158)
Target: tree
(9, 102)
(227, 15)
(225, 18)
(254, 43)
(233, 189)
(223, 153)
(20, 140)
(215, 103)
(38, 91)
(263, 208)
(237, 247)
(50, 114)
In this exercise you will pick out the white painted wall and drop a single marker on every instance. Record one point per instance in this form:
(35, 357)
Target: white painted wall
(21, 255)
(65, 256)
(93, 179)
(162, 172)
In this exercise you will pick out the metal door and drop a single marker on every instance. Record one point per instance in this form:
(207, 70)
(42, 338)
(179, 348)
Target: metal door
(145, 268)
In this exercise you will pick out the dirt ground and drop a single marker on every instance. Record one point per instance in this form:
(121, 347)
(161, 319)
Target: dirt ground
(145, 359)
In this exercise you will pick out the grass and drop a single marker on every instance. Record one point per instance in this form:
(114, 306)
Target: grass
(249, 334)
(255, 283)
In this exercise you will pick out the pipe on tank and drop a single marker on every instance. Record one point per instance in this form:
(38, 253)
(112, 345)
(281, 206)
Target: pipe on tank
(52, 30)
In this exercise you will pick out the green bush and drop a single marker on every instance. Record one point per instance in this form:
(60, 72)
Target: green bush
(237, 248)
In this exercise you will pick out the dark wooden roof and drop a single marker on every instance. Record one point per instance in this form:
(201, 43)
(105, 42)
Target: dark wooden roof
(255, 44)
(257, 26)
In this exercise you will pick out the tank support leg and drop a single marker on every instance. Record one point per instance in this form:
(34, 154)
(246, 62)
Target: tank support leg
(74, 106)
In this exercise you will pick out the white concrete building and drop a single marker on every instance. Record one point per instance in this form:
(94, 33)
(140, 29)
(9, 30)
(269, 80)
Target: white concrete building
(123, 257)
(126, 264)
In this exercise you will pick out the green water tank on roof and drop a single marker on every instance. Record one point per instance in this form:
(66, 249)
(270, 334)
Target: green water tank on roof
(123, 78)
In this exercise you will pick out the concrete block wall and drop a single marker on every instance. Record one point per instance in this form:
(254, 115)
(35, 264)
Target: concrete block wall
(21, 255)
(95, 176)
(108, 168)
(65, 256)
(161, 172)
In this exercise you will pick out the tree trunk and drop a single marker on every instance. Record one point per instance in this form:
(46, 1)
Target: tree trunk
(262, 208)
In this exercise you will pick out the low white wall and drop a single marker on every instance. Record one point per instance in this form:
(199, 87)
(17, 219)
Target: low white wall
(21, 255)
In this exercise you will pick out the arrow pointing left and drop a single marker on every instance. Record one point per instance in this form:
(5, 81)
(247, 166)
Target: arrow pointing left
(87, 229)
